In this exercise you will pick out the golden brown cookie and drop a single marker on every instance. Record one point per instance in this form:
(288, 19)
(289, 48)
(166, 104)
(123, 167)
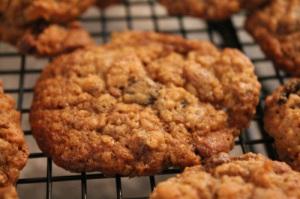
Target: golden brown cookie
(276, 28)
(142, 103)
(8, 192)
(44, 39)
(249, 176)
(282, 121)
(14, 151)
(209, 9)
(21, 12)
(43, 27)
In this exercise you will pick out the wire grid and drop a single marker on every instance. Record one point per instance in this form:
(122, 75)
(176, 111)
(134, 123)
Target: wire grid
(19, 73)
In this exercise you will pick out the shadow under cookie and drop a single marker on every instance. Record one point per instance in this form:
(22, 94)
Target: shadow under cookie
(105, 3)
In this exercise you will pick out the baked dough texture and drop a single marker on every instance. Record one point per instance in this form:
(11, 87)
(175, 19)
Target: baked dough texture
(209, 9)
(142, 103)
(276, 28)
(13, 149)
(282, 121)
(27, 11)
(250, 176)
(44, 27)
(8, 192)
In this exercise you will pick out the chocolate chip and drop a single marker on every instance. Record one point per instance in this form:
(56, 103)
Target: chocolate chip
(184, 103)
(282, 99)
(291, 88)
(151, 99)
(38, 26)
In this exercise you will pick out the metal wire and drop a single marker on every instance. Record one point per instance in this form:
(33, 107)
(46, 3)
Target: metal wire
(229, 35)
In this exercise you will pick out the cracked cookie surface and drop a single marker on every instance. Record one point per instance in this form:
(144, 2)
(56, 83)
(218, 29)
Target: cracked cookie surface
(276, 28)
(282, 121)
(142, 103)
(14, 151)
(250, 176)
(209, 9)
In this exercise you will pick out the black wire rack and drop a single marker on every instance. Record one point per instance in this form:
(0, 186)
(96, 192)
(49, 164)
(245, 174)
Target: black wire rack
(230, 33)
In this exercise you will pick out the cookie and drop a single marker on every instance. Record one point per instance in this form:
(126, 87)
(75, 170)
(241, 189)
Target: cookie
(209, 9)
(282, 121)
(43, 28)
(276, 30)
(8, 192)
(43, 39)
(14, 151)
(249, 176)
(142, 103)
(105, 3)
(20, 12)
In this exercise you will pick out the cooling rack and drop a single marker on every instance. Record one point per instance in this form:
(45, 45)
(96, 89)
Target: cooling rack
(42, 179)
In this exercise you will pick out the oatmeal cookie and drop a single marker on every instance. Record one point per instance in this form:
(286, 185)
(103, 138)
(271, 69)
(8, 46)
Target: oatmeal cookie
(276, 28)
(14, 151)
(8, 192)
(282, 121)
(44, 39)
(250, 176)
(142, 103)
(209, 9)
(43, 27)
(21, 12)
